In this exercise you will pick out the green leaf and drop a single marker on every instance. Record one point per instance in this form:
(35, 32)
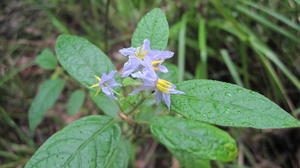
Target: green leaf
(199, 139)
(121, 155)
(46, 60)
(75, 102)
(106, 104)
(82, 59)
(229, 105)
(93, 141)
(188, 160)
(154, 27)
(44, 100)
(171, 75)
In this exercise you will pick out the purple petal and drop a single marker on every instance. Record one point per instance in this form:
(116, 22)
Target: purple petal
(158, 96)
(107, 91)
(173, 91)
(166, 98)
(139, 75)
(163, 68)
(149, 81)
(146, 45)
(160, 55)
(130, 66)
(127, 51)
(113, 83)
(108, 77)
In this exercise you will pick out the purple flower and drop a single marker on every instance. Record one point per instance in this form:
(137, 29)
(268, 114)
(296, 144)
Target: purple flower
(162, 88)
(106, 83)
(140, 56)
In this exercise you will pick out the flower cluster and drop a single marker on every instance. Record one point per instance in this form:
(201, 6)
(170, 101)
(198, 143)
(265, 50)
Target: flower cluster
(143, 63)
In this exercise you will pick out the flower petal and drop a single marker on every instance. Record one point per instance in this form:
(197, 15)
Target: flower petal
(108, 92)
(146, 45)
(160, 55)
(130, 66)
(166, 98)
(128, 51)
(163, 68)
(158, 96)
(137, 90)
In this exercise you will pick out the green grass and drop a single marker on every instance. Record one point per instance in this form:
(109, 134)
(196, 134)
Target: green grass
(254, 44)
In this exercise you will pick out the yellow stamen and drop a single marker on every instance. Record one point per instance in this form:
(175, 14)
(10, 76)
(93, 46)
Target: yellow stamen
(162, 89)
(155, 63)
(98, 91)
(140, 54)
(156, 69)
(98, 78)
(163, 85)
(161, 81)
(94, 85)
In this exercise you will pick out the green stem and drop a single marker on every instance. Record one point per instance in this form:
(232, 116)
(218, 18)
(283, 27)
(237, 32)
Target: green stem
(58, 71)
(137, 105)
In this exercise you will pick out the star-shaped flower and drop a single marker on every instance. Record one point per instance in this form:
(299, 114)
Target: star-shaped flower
(162, 88)
(106, 84)
(140, 56)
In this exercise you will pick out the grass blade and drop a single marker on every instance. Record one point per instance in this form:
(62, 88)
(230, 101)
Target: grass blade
(274, 14)
(274, 77)
(202, 70)
(230, 65)
(181, 49)
(267, 23)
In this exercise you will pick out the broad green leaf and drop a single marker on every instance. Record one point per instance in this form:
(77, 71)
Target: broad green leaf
(171, 75)
(229, 105)
(93, 141)
(106, 104)
(199, 139)
(82, 59)
(46, 60)
(154, 27)
(188, 160)
(75, 101)
(121, 155)
(43, 101)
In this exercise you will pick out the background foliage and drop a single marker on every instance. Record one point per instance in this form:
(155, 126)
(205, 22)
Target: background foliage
(254, 44)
